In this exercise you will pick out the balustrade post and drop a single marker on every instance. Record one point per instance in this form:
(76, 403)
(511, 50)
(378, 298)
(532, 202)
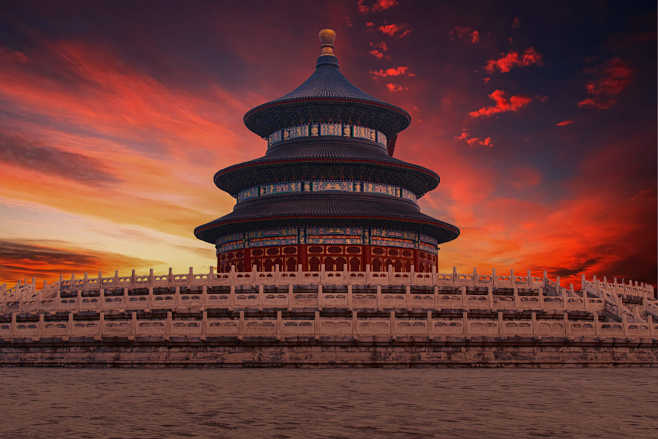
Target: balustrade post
(133, 325)
(261, 297)
(465, 323)
(490, 297)
(407, 297)
(170, 275)
(541, 297)
(651, 327)
(501, 324)
(349, 297)
(379, 298)
(391, 325)
(533, 323)
(624, 323)
(291, 297)
(566, 324)
(241, 327)
(316, 325)
(168, 326)
(435, 297)
(101, 326)
(278, 325)
(428, 326)
(493, 278)
(596, 323)
(40, 326)
(463, 295)
(355, 331)
(204, 325)
(320, 297)
(69, 329)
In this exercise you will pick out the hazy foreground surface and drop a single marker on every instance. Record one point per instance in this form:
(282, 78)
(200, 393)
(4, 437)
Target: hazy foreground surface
(285, 403)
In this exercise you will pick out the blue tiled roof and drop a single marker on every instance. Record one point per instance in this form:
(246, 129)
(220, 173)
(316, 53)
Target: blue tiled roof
(327, 81)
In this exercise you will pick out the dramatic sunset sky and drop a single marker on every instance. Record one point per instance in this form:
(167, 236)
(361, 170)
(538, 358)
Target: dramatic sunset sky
(540, 118)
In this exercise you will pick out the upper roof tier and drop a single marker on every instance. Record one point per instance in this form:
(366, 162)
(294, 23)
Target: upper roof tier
(327, 96)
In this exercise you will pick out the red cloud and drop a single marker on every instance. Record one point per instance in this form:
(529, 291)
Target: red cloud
(395, 88)
(564, 123)
(512, 59)
(474, 140)
(392, 71)
(378, 49)
(613, 77)
(514, 103)
(376, 6)
(397, 30)
(465, 33)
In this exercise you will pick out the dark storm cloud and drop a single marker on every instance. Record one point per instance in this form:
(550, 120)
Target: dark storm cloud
(17, 151)
(27, 258)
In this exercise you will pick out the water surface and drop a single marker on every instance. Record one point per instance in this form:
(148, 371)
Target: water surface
(328, 403)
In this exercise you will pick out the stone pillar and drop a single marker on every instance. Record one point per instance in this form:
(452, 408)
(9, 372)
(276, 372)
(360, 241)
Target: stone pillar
(501, 324)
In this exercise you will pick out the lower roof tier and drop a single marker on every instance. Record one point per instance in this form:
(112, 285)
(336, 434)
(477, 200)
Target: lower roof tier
(331, 209)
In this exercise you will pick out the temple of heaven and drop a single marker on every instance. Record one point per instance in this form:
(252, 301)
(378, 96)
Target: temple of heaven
(328, 190)
(327, 261)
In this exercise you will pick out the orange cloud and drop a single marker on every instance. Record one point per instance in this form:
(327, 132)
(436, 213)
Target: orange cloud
(465, 33)
(464, 137)
(564, 123)
(514, 103)
(378, 49)
(365, 7)
(395, 88)
(512, 59)
(395, 30)
(392, 72)
(613, 78)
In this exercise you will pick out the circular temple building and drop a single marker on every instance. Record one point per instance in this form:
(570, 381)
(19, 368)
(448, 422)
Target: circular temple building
(328, 190)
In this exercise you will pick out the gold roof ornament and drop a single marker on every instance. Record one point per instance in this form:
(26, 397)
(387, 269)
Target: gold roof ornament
(327, 41)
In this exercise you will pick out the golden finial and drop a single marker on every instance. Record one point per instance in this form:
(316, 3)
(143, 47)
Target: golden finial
(327, 39)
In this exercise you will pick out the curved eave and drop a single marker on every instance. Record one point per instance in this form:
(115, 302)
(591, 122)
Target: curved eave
(440, 230)
(271, 116)
(228, 179)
